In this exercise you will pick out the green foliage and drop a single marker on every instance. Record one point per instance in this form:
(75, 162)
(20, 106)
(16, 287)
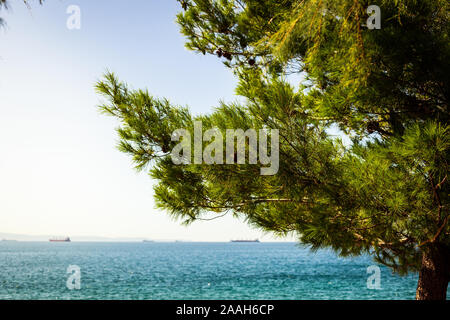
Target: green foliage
(364, 80)
(387, 194)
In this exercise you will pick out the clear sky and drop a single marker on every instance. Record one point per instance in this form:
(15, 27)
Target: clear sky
(60, 171)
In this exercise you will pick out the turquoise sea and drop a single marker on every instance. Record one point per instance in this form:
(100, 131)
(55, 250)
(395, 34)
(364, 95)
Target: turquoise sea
(188, 270)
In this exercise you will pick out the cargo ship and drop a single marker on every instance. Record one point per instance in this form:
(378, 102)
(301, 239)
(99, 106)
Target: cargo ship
(256, 240)
(66, 239)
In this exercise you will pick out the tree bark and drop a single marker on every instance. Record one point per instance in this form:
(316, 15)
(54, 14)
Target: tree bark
(434, 273)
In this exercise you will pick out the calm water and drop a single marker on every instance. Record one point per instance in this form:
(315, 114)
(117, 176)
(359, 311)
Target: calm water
(37, 270)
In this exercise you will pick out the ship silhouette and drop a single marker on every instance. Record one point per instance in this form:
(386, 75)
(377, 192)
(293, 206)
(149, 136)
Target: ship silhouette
(64, 239)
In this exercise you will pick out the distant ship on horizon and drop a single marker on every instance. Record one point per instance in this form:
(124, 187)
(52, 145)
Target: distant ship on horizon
(256, 240)
(66, 239)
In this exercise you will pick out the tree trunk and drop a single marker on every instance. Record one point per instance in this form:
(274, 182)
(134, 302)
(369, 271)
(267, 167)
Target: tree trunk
(434, 273)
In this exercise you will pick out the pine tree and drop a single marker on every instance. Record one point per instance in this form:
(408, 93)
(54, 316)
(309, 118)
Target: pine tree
(387, 194)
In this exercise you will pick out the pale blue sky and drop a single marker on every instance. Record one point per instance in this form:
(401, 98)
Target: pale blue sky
(60, 173)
